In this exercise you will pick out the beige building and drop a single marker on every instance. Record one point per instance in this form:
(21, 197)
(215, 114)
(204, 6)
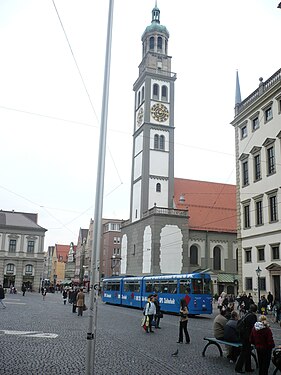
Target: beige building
(21, 250)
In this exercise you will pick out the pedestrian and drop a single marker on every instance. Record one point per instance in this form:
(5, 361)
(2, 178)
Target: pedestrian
(64, 296)
(74, 298)
(80, 301)
(2, 297)
(219, 324)
(42, 290)
(183, 322)
(23, 289)
(221, 299)
(44, 294)
(270, 300)
(261, 337)
(158, 314)
(231, 335)
(248, 321)
(149, 312)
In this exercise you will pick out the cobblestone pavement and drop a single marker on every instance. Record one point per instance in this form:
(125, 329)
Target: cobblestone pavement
(122, 347)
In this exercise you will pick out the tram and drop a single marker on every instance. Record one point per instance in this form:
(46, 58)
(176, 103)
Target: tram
(132, 291)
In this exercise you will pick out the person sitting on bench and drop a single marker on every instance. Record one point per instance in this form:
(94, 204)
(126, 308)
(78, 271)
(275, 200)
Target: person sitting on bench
(231, 335)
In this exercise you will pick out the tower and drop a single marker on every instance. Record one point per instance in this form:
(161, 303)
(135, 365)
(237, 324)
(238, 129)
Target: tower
(152, 182)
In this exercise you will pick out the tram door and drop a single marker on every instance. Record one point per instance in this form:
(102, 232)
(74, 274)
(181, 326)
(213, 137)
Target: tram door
(276, 286)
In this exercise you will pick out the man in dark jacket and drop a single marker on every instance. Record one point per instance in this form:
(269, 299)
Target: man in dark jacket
(158, 312)
(2, 296)
(245, 356)
(231, 335)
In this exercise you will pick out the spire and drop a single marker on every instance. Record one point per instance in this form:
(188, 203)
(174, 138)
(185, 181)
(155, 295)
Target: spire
(237, 90)
(155, 14)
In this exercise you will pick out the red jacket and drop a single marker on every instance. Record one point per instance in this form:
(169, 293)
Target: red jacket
(262, 338)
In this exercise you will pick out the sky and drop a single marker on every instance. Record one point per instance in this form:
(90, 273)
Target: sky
(51, 87)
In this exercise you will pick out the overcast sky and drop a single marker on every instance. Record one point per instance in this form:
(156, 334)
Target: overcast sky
(50, 122)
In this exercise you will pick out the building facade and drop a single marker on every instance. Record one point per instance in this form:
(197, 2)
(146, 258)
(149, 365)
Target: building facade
(258, 172)
(22, 250)
(165, 234)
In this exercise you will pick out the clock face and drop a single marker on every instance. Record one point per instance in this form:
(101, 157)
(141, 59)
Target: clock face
(160, 112)
(140, 117)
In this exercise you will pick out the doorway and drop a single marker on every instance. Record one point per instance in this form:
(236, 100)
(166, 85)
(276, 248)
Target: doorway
(276, 287)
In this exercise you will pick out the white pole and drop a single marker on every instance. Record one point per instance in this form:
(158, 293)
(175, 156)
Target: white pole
(93, 308)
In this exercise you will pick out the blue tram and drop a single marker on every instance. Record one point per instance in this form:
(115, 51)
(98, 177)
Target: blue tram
(134, 290)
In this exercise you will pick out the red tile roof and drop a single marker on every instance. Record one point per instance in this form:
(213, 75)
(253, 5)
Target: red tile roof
(211, 206)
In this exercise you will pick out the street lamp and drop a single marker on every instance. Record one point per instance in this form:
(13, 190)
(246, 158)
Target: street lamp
(258, 272)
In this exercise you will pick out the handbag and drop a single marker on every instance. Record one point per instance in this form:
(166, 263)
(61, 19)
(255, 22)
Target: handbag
(160, 315)
(85, 307)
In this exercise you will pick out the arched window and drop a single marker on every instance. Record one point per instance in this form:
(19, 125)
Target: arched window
(164, 93)
(151, 43)
(155, 91)
(162, 142)
(166, 47)
(159, 44)
(138, 98)
(142, 94)
(156, 141)
(193, 255)
(28, 269)
(158, 187)
(217, 258)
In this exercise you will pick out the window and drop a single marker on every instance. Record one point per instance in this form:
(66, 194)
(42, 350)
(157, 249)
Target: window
(155, 91)
(142, 94)
(164, 93)
(193, 255)
(10, 268)
(268, 114)
(273, 208)
(262, 283)
(275, 252)
(116, 240)
(248, 283)
(257, 167)
(151, 43)
(261, 256)
(159, 44)
(162, 143)
(270, 160)
(244, 132)
(259, 213)
(30, 246)
(248, 255)
(255, 123)
(138, 98)
(29, 269)
(245, 173)
(156, 141)
(12, 246)
(247, 216)
(217, 258)
(158, 187)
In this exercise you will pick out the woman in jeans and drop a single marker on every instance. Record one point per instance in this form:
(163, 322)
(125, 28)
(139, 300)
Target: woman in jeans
(183, 322)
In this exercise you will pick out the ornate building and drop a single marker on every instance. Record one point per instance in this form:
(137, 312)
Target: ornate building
(157, 237)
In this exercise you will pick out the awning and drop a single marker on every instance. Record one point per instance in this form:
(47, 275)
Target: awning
(66, 282)
(226, 278)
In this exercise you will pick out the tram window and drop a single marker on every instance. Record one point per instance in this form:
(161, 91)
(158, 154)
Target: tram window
(197, 286)
(185, 286)
(149, 287)
(207, 286)
(115, 286)
(157, 287)
(172, 287)
(137, 287)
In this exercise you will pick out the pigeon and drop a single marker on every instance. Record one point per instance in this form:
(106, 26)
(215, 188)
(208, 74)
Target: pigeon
(176, 353)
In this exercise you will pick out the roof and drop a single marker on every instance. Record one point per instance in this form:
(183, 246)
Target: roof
(19, 219)
(211, 206)
(227, 277)
(62, 252)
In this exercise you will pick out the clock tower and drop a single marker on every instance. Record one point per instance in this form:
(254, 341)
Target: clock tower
(152, 181)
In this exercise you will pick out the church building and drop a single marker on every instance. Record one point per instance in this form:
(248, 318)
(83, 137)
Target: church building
(176, 225)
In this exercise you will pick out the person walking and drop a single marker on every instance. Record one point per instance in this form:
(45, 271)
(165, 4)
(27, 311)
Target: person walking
(150, 311)
(23, 289)
(44, 293)
(261, 337)
(158, 311)
(249, 321)
(270, 300)
(2, 297)
(80, 301)
(183, 322)
(64, 296)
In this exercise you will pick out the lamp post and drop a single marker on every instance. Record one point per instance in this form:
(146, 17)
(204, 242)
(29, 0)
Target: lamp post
(258, 272)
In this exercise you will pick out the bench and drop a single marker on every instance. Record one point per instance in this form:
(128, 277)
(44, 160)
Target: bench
(218, 343)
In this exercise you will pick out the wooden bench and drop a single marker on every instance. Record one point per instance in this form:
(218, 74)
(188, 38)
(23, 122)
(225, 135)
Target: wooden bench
(218, 343)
